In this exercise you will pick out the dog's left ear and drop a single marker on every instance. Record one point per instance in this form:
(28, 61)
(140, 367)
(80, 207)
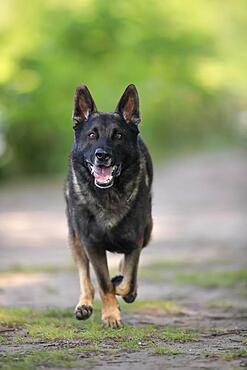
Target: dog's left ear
(83, 105)
(128, 105)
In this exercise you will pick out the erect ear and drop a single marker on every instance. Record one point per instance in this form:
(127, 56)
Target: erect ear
(128, 105)
(83, 104)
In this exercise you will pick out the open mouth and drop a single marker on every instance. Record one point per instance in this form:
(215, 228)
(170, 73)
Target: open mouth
(104, 176)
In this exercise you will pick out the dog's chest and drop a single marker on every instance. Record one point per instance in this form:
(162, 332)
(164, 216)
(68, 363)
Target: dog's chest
(108, 209)
(109, 217)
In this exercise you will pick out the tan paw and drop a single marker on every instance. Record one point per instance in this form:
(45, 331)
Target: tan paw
(112, 322)
(123, 289)
(111, 317)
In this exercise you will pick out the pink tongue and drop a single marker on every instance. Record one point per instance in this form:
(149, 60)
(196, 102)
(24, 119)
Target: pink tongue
(102, 174)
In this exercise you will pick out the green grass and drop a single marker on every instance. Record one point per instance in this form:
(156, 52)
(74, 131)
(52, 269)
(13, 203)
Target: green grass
(168, 264)
(151, 275)
(3, 340)
(226, 279)
(29, 361)
(161, 269)
(14, 316)
(75, 342)
(221, 304)
(155, 270)
(53, 331)
(55, 324)
(178, 334)
(39, 269)
(162, 265)
(228, 355)
(166, 351)
(154, 307)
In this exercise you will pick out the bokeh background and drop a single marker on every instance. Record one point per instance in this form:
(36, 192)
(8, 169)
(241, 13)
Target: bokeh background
(187, 58)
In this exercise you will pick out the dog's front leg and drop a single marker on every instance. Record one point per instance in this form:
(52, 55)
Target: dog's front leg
(84, 308)
(126, 285)
(110, 310)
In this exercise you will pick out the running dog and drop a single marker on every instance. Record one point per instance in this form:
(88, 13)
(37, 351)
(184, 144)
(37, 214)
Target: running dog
(108, 197)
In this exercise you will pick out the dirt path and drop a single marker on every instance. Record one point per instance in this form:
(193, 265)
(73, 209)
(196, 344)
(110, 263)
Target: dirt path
(196, 261)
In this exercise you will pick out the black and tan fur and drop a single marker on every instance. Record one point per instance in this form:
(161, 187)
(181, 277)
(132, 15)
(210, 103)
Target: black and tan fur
(117, 218)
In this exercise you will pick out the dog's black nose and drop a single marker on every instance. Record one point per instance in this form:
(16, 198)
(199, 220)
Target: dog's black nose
(102, 155)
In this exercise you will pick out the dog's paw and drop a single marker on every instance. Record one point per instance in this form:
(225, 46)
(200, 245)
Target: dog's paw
(83, 312)
(130, 298)
(116, 280)
(112, 322)
(111, 316)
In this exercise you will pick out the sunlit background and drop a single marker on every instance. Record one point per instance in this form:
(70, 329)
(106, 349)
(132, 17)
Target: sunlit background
(188, 60)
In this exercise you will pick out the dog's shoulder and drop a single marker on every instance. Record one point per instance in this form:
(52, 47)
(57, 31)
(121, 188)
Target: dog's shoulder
(76, 187)
(148, 162)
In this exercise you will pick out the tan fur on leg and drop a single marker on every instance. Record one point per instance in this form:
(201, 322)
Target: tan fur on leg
(110, 310)
(84, 308)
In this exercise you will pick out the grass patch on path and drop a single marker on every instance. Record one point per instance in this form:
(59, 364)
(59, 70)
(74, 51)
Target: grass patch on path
(166, 351)
(54, 338)
(59, 325)
(217, 279)
(64, 359)
(228, 355)
(154, 307)
(31, 269)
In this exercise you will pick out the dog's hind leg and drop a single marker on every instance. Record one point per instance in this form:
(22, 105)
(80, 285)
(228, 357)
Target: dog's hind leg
(116, 280)
(126, 285)
(110, 310)
(84, 308)
(121, 266)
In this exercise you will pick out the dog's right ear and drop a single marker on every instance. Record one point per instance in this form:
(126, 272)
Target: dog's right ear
(83, 105)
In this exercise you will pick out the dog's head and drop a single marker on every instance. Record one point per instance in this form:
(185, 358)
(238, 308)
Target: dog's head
(106, 143)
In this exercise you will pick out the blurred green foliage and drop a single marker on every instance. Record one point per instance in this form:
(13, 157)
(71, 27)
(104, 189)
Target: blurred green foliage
(187, 58)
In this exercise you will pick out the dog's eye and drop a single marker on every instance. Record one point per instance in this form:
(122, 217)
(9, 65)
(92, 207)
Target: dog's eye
(92, 135)
(118, 136)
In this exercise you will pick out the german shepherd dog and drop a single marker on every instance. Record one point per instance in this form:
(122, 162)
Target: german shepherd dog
(108, 196)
